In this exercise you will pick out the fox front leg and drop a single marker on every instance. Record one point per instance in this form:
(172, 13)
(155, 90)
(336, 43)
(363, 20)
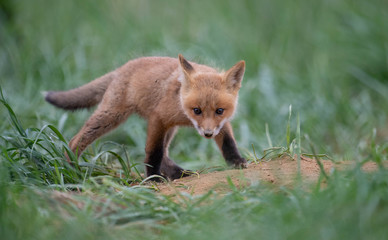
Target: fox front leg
(155, 149)
(227, 145)
(168, 167)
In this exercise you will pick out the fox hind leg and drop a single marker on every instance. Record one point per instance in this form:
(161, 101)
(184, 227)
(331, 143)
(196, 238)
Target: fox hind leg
(103, 120)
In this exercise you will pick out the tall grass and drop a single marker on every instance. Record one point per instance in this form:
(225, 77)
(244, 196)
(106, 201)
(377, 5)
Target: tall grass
(353, 204)
(38, 156)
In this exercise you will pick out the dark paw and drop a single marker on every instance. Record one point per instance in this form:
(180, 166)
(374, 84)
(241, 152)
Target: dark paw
(240, 163)
(177, 172)
(172, 171)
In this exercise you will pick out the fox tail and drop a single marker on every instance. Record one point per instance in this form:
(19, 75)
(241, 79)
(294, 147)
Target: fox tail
(85, 96)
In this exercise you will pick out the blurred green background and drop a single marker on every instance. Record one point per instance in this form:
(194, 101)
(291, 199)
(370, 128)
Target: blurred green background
(328, 59)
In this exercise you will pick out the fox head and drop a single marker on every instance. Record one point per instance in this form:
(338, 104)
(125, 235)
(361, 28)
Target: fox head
(209, 99)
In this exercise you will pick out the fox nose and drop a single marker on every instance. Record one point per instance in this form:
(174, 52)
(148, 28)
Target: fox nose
(208, 133)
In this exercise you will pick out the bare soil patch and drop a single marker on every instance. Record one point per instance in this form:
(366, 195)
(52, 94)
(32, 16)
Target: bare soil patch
(280, 171)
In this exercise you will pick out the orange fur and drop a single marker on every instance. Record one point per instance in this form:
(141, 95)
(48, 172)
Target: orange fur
(168, 93)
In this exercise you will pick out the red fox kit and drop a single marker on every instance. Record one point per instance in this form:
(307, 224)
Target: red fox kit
(168, 93)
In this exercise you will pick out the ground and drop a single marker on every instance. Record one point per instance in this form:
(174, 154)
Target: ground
(281, 171)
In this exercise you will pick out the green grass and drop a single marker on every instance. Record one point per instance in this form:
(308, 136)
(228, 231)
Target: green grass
(326, 59)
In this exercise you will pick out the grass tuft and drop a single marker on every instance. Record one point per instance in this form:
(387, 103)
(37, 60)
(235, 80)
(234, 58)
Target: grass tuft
(38, 155)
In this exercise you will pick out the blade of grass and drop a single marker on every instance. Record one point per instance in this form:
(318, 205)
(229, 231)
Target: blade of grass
(14, 120)
(298, 139)
(288, 133)
(316, 157)
(268, 135)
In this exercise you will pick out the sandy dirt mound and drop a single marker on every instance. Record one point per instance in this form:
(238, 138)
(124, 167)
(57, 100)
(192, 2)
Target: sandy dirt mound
(278, 171)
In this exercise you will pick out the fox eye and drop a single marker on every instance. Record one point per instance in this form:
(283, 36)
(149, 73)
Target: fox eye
(219, 111)
(197, 111)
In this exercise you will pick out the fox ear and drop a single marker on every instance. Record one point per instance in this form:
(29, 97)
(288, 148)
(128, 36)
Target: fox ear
(187, 70)
(186, 66)
(235, 75)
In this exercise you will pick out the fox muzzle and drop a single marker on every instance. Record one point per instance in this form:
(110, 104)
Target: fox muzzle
(208, 133)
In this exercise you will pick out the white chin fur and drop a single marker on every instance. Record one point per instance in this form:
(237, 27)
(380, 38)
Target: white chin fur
(217, 131)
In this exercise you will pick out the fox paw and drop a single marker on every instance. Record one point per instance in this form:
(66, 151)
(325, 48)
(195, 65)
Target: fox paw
(177, 173)
(172, 171)
(240, 163)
